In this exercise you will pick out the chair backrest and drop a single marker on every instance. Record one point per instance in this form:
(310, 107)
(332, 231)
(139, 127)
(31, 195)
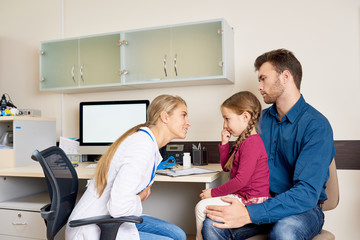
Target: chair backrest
(332, 189)
(62, 181)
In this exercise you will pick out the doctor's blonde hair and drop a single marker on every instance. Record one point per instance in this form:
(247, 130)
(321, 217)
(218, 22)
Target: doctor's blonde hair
(162, 103)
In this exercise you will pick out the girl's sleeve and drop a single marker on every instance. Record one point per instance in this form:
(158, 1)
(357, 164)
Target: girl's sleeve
(247, 160)
(224, 155)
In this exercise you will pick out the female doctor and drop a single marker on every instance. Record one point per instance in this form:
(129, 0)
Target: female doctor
(125, 172)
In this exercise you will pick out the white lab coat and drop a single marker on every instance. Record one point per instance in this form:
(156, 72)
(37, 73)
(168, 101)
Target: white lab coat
(129, 173)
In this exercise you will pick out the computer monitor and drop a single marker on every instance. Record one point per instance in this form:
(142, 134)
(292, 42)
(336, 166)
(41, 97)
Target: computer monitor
(101, 123)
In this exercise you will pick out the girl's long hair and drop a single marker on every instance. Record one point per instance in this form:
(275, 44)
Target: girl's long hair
(162, 103)
(239, 103)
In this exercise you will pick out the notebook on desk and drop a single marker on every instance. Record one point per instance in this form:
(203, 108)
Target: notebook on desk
(92, 165)
(184, 172)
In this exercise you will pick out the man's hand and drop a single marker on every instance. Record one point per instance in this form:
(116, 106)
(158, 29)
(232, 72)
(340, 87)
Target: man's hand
(234, 215)
(145, 194)
(206, 193)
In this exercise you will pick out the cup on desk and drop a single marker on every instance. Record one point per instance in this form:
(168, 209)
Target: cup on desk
(199, 157)
(74, 158)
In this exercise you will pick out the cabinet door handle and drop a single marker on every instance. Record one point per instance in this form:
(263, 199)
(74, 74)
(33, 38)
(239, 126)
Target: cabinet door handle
(73, 73)
(19, 223)
(81, 72)
(165, 65)
(175, 58)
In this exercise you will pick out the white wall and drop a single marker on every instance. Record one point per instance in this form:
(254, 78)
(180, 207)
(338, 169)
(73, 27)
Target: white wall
(323, 34)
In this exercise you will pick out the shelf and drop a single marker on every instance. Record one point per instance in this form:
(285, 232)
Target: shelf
(24, 118)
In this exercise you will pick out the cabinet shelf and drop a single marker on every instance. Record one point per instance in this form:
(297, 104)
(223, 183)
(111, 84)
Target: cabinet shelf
(191, 54)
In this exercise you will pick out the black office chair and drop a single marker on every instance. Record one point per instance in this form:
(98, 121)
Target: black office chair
(62, 182)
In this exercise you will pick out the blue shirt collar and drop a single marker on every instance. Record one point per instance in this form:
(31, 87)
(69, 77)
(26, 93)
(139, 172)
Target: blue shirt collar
(293, 113)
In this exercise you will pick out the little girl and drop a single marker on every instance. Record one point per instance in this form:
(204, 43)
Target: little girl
(247, 163)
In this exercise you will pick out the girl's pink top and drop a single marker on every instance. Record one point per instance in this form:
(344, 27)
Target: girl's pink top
(250, 172)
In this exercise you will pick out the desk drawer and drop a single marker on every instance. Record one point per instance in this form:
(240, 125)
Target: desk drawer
(22, 224)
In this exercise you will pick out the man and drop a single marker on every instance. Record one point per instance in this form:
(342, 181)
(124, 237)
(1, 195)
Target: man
(299, 143)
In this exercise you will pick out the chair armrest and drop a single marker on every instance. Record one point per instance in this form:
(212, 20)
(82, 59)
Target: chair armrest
(46, 213)
(104, 219)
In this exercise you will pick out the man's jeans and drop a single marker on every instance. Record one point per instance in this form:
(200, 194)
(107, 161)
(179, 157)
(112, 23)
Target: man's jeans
(301, 226)
(156, 229)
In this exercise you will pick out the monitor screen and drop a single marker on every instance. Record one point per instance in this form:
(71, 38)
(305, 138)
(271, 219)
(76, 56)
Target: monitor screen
(101, 123)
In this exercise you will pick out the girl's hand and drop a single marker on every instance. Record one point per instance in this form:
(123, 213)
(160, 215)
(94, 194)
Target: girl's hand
(206, 193)
(225, 136)
(145, 194)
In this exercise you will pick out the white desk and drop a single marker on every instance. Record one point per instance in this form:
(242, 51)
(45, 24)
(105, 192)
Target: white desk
(172, 198)
(84, 173)
(35, 171)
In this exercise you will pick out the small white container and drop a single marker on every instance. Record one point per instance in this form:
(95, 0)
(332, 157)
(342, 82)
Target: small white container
(186, 160)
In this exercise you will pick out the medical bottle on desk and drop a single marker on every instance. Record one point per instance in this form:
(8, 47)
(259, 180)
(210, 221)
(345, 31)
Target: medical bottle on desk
(186, 160)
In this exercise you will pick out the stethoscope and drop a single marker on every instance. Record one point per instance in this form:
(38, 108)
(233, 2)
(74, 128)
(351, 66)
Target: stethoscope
(165, 164)
(154, 168)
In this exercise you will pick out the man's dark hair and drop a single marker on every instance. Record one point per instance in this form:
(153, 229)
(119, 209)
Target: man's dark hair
(282, 60)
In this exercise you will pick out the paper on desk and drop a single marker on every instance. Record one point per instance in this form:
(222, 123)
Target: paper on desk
(69, 146)
(184, 172)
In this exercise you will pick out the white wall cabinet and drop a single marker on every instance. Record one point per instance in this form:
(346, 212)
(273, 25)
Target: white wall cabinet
(29, 133)
(181, 55)
(80, 62)
(179, 52)
(57, 64)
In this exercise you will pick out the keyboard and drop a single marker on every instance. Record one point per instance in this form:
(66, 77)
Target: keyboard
(93, 165)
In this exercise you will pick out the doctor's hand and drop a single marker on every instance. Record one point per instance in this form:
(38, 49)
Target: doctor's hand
(225, 136)
(145, 194)
(234, 215)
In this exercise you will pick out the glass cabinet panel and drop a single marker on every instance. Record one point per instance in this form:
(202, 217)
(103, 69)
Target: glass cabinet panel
(146, 55)
(99, 60)
(184, 54)
(197, 50)
(177, 52)
(59, 64)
